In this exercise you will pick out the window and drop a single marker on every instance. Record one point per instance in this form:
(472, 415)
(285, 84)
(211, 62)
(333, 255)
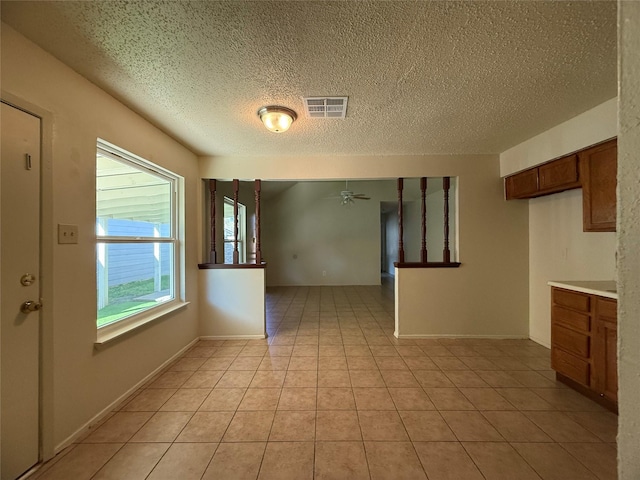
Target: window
(138, 249)
(229, 219)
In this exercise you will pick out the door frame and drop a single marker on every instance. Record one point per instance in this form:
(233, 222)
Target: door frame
(47, 239)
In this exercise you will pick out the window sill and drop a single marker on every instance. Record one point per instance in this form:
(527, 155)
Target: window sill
(108, 334)
(221, 266)
(427, 265)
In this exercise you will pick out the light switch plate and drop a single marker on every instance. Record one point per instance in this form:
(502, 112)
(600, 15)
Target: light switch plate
(67, 233)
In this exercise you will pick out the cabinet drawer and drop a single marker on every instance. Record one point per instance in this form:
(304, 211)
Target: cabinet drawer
(573, 300)
(570, 365)
(571, 319)
(606, 308)
(571, 341)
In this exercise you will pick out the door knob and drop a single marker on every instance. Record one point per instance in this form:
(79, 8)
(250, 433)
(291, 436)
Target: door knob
(30, 306)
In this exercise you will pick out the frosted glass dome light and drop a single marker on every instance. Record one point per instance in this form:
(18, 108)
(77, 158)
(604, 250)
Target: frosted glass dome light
(277, 119)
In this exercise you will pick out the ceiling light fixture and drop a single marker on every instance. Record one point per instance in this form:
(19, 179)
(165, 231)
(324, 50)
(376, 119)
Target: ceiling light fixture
(277, 119)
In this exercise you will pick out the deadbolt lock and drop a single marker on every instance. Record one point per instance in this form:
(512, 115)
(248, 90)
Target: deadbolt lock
(27, 279)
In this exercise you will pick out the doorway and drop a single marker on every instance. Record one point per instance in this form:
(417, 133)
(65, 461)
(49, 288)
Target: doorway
(20, 285)
(388, 242)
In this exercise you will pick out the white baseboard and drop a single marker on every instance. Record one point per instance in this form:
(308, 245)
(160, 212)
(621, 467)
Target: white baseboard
(100, 415)
(441, 335)
(540, 342)
(324, 285)
(233, 337)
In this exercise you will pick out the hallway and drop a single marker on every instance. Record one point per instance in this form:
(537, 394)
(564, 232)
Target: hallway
(331, 394)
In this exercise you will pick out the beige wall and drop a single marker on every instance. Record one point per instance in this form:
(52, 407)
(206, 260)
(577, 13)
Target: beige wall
(558, 248)
(80, 380)
(232, 303)
(487, 295)
(628, 240)
(493, 237)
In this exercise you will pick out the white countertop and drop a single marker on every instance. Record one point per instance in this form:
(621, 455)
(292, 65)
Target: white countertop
(602, 288)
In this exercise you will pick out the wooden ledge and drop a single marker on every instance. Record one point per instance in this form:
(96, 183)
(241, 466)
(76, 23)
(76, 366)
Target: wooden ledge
(222, 266)
(427, 265)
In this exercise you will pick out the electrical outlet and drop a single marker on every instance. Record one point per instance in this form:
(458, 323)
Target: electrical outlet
(324, 273)
(67, 233)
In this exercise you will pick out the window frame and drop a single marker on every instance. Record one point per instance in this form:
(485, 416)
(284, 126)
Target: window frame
(242, 229)
(113, 330)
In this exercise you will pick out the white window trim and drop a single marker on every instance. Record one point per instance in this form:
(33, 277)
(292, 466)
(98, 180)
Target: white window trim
(136, 321)
(112, 331)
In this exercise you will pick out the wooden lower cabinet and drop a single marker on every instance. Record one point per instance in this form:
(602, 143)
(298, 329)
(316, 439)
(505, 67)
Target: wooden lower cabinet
(584, 343)
(572, 366)
(605, 349)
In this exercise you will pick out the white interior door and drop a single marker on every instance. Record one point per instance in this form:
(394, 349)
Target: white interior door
(19, 283)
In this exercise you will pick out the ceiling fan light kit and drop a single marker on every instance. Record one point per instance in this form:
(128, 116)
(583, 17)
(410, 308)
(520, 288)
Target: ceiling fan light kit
(277, 119)
(348, 197)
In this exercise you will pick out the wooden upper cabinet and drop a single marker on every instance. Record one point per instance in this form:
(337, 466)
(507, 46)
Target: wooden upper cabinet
(594, 169)
(522, 185)
(562, 174)
(598, 169)
(551, 177)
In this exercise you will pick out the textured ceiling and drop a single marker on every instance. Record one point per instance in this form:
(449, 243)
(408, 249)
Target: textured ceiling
(421, 77)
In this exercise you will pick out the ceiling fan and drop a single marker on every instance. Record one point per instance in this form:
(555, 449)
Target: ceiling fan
(347, 196)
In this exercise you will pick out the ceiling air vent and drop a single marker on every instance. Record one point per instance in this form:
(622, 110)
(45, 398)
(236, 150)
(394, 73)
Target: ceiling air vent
(325, 107)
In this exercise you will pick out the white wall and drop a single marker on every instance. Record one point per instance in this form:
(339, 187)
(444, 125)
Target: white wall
(558, 248)
(391, 232)
(628, 235)
(492, 236)
(593, 126)
(411, 230)
(80, 380)
(309, 238)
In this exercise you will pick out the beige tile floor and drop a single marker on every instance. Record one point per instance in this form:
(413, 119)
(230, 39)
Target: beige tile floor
(331, 394)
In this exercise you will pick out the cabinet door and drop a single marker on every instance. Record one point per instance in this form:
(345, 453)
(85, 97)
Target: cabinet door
(605, 350)
(598, 169)
(522, 185)
(559, 175)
